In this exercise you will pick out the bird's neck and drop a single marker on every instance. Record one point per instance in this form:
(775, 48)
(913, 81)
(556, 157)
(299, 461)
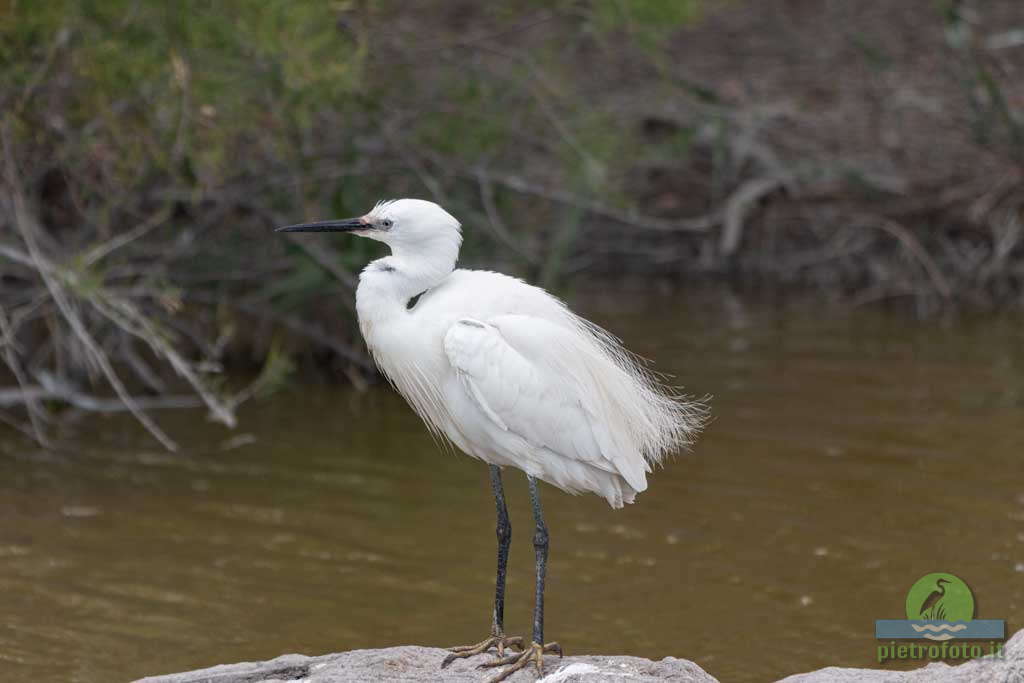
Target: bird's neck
(420, 270)
(387, 285)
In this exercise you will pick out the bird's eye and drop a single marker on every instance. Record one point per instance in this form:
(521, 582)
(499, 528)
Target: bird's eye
(386, 223)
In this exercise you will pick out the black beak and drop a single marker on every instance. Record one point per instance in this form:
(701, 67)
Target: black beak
(343, 225)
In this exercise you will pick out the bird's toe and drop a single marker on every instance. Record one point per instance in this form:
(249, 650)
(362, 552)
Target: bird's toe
(497, 641)
(517, 662)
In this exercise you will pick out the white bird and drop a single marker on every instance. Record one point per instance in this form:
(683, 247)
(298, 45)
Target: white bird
(511, 376)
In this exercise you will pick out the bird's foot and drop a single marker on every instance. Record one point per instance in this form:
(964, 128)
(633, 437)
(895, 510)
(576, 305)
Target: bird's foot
(535, 653)
(498, 641)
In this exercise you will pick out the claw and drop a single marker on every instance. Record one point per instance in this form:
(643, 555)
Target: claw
(514, 641)
(452, 657)
(497, 641)
(501, 661)
(535, 654)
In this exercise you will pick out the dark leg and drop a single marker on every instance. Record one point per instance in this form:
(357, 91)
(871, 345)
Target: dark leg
(497, 639)
(504, 534)
(540, 552)
(537, 649)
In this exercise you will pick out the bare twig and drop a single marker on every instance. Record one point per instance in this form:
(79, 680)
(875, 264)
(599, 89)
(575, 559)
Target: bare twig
(25, 223)
(495, 221)
(102, 250)
(517, 184)
(141, 368)
(293, 323)
(124, 315)
(39, 75)
(326, 259)
(910, 242)
(50, 388)
(404, 150)
(35, 411)
(539, 78)
(738, 205)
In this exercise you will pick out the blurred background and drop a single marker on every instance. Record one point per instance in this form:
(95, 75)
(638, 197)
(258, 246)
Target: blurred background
(811, 210)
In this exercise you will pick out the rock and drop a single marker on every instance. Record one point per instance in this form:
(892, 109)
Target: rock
(1007, 669)
(411, 663)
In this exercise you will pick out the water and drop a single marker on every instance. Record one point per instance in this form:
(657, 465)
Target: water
(850, 454)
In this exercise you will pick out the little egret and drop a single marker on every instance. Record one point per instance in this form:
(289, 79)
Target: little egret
(511, 376)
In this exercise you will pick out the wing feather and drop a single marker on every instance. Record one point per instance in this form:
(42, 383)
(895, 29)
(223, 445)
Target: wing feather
(531, 377)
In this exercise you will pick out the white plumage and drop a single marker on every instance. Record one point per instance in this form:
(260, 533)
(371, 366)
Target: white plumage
(511, 376)
(505, 370)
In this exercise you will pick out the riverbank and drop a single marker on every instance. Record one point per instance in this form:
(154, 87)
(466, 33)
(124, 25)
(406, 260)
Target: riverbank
(746, 144)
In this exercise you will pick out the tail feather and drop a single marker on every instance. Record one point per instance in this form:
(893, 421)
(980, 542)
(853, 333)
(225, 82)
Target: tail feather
(658, 419)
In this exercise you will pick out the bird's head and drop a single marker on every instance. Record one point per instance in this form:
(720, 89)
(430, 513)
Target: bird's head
(410, 225)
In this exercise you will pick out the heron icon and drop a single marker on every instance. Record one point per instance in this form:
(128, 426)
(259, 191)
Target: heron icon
(932, 607)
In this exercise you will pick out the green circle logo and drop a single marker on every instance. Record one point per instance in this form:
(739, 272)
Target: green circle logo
(940, 597)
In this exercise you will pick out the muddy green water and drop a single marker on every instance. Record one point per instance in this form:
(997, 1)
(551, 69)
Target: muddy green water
(850, 454)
